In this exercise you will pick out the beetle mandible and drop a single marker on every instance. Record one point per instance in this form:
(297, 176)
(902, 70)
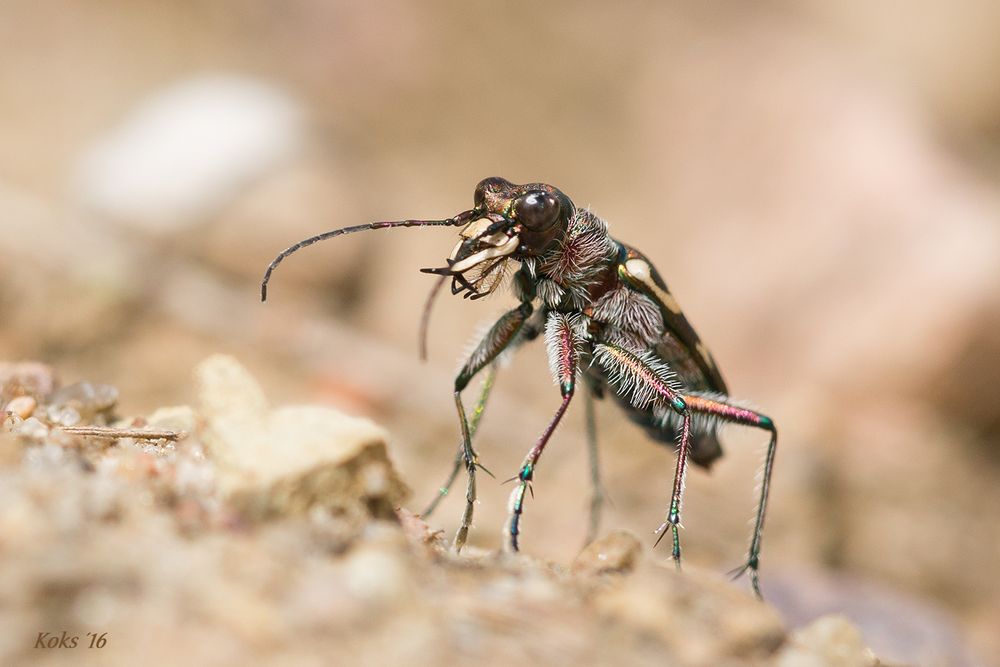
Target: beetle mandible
(610, 326)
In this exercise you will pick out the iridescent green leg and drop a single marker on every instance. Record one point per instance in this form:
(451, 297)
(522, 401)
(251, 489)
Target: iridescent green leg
(477, 414)
(529, 331)
(677, 497)
(497, 339)
(527, 473)
(596, 488)
(563, 341)
(747, 417)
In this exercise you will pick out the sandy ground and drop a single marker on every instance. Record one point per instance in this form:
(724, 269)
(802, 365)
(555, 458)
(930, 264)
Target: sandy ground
(233, 533)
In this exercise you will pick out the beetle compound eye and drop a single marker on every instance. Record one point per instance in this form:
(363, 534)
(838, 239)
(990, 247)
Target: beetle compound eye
(536, 210)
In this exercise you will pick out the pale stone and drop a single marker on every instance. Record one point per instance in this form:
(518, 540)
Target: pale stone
(175, 418)
(829, 641)
(22, 406)
(188, 149)
(616, 552)
(290, 459)
(700, 617)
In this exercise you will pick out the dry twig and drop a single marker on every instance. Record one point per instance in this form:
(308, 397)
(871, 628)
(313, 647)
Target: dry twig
(117, 433)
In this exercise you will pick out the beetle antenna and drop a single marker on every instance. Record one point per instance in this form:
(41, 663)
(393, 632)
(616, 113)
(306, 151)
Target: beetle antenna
(460, 219)
(425, 317)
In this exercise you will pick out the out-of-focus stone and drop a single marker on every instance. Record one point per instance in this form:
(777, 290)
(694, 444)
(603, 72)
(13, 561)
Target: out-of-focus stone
(86, 399)
(31, 428)
(175, 418)
(292, 459)
(188, 149)
(830, 641)
(616, 552)
(227, 393)
(29, 378)
(63, 415)
(22, 406)
(701, 617)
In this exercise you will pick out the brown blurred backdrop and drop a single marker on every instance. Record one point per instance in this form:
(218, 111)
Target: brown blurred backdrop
(816, 181)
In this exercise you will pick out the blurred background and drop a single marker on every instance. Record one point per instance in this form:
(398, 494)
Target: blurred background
(817, 182)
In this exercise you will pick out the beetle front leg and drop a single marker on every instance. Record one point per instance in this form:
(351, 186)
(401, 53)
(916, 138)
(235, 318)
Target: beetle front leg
(477, 415)
(529, 331)
(564, 338)
(647, 380)
(497, 339)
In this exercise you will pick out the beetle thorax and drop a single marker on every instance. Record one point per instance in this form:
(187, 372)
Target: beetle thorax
(565, 273)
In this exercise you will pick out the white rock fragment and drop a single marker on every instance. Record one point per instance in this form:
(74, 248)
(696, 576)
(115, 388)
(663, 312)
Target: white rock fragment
(175, 418)
(32, 428)
(187, 149)
(616, 552)
(829, 641)
(22, 406)
(290, 459)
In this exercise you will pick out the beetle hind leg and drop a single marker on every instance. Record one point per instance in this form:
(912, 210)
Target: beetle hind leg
(737, 415)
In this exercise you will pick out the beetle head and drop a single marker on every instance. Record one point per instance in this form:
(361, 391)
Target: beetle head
(509, 222)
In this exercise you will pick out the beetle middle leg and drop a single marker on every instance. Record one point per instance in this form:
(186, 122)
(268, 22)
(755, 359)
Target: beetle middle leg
(529, 331)
(597, 495)
(647, 381)
(497, 339)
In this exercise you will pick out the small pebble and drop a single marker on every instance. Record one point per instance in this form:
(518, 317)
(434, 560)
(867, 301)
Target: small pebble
(177, 418)
(22, 406)
(26, 377)
(616, 552)
(86, 398)
(829, 640)
(63, 415)
(32, 428)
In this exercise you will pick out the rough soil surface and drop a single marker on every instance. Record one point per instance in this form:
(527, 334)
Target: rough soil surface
(230, 533)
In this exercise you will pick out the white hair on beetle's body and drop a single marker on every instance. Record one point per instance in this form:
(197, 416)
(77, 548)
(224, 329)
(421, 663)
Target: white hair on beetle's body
(577, 261)
(638, 322)
(636, 378)
(558, 328)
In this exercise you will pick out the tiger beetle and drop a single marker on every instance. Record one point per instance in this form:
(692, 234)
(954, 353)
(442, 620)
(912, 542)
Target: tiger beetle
(610, 325)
